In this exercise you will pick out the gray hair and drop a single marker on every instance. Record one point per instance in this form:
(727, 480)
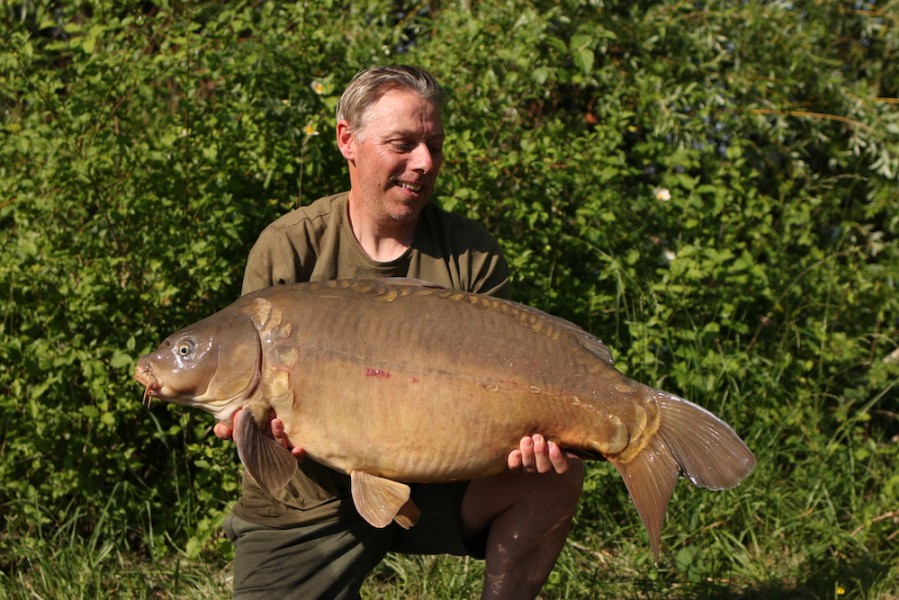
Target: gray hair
(368, 85)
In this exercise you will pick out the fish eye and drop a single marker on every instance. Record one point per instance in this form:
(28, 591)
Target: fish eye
(185, 348)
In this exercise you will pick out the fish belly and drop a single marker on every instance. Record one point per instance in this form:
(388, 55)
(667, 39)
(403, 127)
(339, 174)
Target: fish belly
(417, 427)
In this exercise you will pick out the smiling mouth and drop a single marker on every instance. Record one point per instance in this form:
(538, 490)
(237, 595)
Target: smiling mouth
(414, 187)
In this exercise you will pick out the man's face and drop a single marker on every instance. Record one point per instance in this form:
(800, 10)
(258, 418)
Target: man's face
(396, 161)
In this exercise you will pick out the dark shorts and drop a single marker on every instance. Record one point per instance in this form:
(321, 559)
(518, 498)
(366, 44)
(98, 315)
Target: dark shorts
(331, 559)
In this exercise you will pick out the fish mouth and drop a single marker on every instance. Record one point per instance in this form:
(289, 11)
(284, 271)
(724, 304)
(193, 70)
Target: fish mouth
(144, 375)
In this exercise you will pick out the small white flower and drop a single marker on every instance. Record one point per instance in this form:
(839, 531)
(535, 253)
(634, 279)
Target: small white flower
(310, 129)
(318, 88)
(662, 194)
(669, 255)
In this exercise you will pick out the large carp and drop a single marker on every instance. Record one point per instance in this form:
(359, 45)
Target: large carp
(395, 381)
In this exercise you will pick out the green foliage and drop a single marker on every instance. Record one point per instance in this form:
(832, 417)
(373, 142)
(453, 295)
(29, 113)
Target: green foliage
(710, 187)
(143, 148)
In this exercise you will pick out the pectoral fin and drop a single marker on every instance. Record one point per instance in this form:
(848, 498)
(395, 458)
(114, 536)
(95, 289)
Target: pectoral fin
(381, 501)
(268, 462)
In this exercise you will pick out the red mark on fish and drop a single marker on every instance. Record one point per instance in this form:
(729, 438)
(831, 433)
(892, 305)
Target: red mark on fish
(377, 373)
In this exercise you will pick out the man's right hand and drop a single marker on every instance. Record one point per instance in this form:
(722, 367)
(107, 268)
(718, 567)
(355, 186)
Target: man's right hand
(224, 430)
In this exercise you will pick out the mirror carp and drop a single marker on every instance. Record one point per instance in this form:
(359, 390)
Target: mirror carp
(396, 382)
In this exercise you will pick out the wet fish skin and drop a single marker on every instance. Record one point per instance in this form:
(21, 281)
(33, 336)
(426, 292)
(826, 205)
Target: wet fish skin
(397, 382)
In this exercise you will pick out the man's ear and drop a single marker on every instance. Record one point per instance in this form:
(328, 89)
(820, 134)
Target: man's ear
(345, 140)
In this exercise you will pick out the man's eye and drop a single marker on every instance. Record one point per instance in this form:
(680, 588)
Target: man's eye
(401, 147)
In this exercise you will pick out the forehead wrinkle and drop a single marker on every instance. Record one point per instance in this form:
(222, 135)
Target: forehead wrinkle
(424, 113)
(413, 134)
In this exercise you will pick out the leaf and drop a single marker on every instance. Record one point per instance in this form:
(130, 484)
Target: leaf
(583, 59)
(120, 360)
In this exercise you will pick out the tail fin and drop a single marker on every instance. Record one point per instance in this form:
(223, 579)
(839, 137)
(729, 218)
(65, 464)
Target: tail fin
(692, 442)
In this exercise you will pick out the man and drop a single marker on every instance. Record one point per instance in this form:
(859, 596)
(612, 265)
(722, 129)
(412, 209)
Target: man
(307, 540)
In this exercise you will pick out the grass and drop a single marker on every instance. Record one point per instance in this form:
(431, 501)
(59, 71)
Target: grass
(80, 572)
(80, 558)
(76, 573)
(771, 538)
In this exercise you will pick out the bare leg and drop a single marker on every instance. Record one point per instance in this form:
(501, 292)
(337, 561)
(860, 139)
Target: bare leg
(528, 515)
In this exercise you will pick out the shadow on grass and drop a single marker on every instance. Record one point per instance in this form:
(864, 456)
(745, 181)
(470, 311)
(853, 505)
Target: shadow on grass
(864, 578)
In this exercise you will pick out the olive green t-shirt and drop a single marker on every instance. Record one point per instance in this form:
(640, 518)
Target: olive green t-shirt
(316, 243)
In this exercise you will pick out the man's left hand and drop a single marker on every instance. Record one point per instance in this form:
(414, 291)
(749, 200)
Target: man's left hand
(535, 454)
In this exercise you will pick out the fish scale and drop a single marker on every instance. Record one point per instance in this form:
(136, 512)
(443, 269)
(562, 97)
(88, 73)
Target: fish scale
(395, 381)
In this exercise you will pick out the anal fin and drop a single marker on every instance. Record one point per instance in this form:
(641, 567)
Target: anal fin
(650, 477)
(381, 500)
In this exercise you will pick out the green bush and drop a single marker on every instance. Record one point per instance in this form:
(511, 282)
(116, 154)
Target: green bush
(709, 187)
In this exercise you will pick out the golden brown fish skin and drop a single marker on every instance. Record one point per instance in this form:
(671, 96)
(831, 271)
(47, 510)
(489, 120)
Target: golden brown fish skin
(216, 382)
(411, 383)
(330, 362)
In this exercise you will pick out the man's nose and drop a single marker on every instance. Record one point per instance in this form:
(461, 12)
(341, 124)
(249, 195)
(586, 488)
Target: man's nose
(422, 159)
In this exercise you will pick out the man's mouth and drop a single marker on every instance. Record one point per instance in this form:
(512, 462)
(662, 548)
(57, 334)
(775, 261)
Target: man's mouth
(414, 187)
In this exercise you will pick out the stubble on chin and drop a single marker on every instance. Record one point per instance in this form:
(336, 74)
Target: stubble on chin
(404, 212)
(406, 216)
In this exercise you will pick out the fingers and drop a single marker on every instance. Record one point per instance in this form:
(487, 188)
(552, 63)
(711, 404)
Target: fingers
(514, 460)
(224, 430)
(557, 458)
(277, 426)
(535, 454)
